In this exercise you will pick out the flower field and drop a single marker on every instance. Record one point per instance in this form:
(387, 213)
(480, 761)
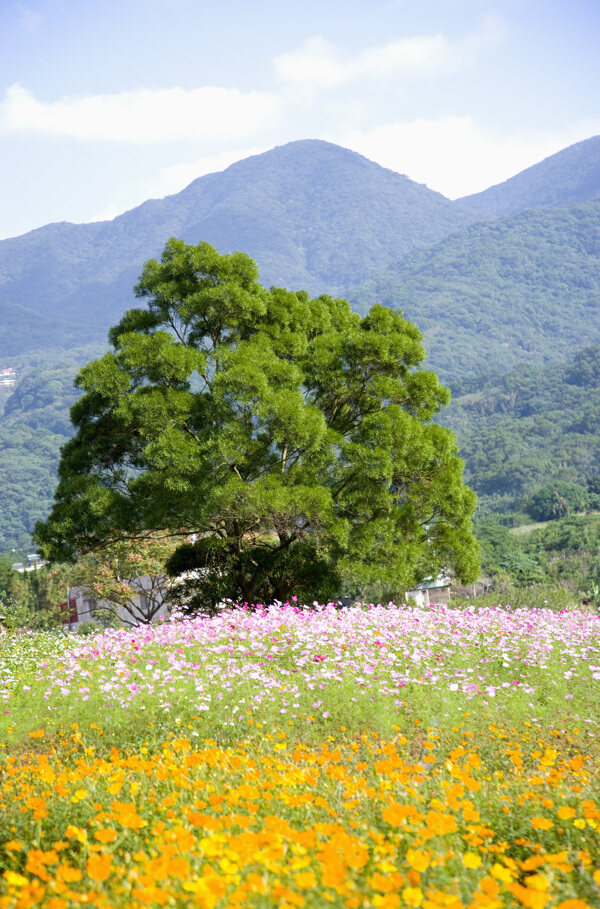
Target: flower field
(292, 757)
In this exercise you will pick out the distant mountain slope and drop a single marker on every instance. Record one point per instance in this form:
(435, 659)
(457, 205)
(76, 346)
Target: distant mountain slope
(513, 289)
(34, 426)
(572, 175)
(523, 430)
(313, 215)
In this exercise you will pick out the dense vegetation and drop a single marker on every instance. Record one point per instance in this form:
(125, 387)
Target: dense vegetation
(524, 288)
(34, 426)
(532, 426)
(531, 444)
(514, 293)
(571, 175)
(291, 437)
(312, 215)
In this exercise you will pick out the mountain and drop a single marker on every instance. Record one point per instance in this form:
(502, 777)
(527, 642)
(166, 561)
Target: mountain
(571, 175)
(523, 288)
(511, 292)
(313, 215)
(522, 430)
(34, 426)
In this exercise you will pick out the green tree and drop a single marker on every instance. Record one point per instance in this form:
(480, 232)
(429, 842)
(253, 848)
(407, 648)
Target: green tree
(127, 578)
(34, 599)
(556, 500)
(291, 437)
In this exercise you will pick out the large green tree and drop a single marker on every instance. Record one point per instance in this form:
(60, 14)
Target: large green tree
(291, 437)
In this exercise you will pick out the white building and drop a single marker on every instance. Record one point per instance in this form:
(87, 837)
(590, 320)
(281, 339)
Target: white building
(430, 591)
(148, 601)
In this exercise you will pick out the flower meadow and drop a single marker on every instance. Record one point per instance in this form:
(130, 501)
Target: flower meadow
(373, 756)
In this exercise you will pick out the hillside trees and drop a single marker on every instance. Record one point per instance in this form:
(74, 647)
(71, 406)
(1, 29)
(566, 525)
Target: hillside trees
(287, 441)
(556, 500)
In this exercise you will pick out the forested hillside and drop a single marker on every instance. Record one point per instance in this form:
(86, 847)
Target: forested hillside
(33, 427)
(312, 215)
(525, 288)
(523, 430)
(571, 175)
(513, 293)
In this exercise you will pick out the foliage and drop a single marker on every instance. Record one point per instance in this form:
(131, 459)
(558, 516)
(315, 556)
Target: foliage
(127, 577)
(33, 427)
(33, 599)
(560, 553)
(531, 597)
(510, 291)
(503, 292)
(290, 436)
(534, 426)
(555, 501)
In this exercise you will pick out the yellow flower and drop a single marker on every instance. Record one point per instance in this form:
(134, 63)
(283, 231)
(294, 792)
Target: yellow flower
(412, 896)
(501, 873)
(471, 860)
(537, 882)
(417, 859)
(306, 880)
(15, 880)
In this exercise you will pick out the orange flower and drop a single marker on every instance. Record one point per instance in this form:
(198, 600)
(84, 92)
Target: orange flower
(564, 812)
(98, 867)
(574, 904)
(542, 823)
(106, 835)
(68, 874)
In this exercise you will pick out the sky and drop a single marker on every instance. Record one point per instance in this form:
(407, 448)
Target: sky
(107, 103)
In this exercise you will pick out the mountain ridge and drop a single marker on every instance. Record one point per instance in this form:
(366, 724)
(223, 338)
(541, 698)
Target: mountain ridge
(569, 176)
(314, 216)
(525, 287)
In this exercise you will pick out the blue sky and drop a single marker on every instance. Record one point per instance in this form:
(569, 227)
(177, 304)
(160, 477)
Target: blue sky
(104, 104)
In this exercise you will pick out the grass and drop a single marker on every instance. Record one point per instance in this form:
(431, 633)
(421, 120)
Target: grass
(524, 529)
(354, 758)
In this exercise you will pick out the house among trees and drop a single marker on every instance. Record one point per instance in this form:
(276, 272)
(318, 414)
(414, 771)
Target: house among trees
(430, 591)
(146, 602)
(34, 561)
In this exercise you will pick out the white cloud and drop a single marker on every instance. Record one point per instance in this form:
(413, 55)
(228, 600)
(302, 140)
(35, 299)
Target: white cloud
(143, 115)
(457, 157)
(319, 63)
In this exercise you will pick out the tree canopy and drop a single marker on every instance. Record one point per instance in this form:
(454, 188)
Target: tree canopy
(286, 440)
